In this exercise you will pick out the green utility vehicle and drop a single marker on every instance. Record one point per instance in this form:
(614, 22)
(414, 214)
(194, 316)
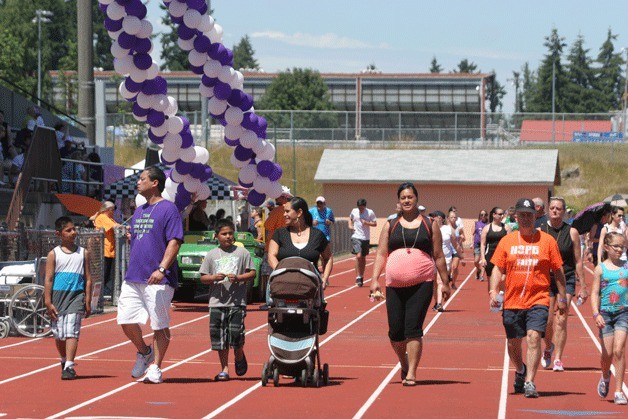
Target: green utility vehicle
(192, 252)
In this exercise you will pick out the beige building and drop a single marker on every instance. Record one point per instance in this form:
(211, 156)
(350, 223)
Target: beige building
(470, 180)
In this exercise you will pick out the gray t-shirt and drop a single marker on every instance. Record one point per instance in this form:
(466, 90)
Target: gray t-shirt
(237, 260)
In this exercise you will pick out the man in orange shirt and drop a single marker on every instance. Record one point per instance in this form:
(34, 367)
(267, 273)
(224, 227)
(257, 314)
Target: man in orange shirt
(526, 257)
(104, 219)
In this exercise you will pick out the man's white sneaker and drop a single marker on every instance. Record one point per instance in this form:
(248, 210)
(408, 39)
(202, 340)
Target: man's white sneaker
(546, 360)
(153, 375)
(142, 362)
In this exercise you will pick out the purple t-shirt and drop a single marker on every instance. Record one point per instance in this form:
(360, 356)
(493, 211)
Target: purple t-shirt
(152, 227)
(477, 233)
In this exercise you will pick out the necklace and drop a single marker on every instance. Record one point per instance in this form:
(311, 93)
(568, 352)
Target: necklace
(403, 236)
(560, 231)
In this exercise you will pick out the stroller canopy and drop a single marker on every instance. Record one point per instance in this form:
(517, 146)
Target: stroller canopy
(295, 278)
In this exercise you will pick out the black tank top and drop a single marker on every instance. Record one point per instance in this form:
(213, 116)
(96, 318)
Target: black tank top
(565, 245)
(493, 238)
(422, 236)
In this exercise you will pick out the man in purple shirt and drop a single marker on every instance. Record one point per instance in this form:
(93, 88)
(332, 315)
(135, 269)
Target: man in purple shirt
(156, 233)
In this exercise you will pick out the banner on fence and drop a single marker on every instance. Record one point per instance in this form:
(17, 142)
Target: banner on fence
(597, 137)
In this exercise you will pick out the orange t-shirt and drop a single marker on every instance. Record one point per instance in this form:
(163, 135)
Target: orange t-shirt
(105, 222)
(274, 221)
(527, 265)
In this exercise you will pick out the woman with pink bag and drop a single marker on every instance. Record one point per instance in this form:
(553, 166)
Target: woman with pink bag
(410, 249)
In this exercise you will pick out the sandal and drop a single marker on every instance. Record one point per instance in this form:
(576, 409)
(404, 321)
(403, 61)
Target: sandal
(241, 366)
(222, 376)
(409, 383)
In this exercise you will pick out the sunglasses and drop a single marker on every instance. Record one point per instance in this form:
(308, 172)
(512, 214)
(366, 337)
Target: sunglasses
(499, 213)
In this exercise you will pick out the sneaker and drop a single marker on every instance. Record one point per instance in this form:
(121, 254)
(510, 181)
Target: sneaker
(546, 360)
(358, 281)
(439, 308)
(602, 387)
(530, 390)
(153, 375)
(68, 374)
(558, 366)
(142, 362)
(620, 398)
(520, 380)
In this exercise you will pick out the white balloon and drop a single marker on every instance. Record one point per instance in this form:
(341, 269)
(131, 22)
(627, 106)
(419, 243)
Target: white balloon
(144, 101)
(237, 163)
(178, 177)
(173, 107)
(248, 139)
(177, 9)
(234, 116)
(259, 146)
(212, 68)
(123, 65)
(202, 155)
(203, 192)
(172, 141)
(267, 152)
(146, 29)
(237, 81)
(274, 190)
(138, 76)
(160, 103)
(233, 132)
(131, 25)
(117, 51)
(125, 93)
(196, 58)
(226, 72)
(114, 35)
(215, 34)
(261, 184)
(205, 91)
(192, 18)
(216, 106)
(175, 124)
(170, 155)
(187, 154)
(139, 199)
(186, 44)
(206, 24)
(140, 118)
(161, 130)
(192, 185)
(105, 2)
(116, 11)
(248, 173)
(171, 186)
(152, 71)
(167, 195)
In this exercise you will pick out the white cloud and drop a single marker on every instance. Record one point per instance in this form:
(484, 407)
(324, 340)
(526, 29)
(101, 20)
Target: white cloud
(323, 41)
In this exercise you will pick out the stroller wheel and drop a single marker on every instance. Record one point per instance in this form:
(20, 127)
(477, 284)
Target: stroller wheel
(304, 377)
(316, 378)
(325, 374)
(265, 374)
(276, 377)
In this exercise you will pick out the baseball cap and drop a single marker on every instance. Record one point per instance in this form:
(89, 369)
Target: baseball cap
(320, 199)
(437, 214)
(525, 205)
(421, 208)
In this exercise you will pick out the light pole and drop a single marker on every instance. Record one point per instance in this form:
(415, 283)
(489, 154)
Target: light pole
(554, 102)
(625, 97)
(40, 16)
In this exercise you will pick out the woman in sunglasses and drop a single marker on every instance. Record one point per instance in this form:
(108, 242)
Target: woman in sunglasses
(477, 239)
(491, 235)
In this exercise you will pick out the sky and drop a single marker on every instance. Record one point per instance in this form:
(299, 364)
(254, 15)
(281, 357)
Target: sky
(402, 36)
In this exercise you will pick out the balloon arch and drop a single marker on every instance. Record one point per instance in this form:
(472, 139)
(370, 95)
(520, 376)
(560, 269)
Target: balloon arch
(245, 132)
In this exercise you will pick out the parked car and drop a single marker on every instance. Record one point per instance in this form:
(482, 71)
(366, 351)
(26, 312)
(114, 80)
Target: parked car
(190, 257)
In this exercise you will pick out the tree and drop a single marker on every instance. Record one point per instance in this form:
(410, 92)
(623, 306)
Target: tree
(550, 71)
(244, 55)
(609, 80)
(579, 96)
(466, 66)
(494, 94)
(102, 41)
(174, 58)
(11, 60)
(435, 67)
(528, 87)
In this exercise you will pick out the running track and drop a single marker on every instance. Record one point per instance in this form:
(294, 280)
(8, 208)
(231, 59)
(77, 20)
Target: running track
(464, 371)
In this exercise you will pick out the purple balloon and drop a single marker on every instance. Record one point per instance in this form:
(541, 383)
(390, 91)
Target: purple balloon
(132, 86)
(255, 198)
(209, 81)
(142, 61)
(186, 140)
(162, 85)
(142, 45)
(247, 102)
(123, 2)
(262, 124)
(242, 153)
(155, 118)
(126, 41)
(154, 138)
(103, 7)
(139, 111)
(222, 90)
(136, 8)
(227, 58)
(182, 191)
(202, 44)
(265, 168)
(149, 87)
(186, 123)
(216, 51)
(196, 70)
(232, 143)
(207, 174)
(203, 9)
(186, 33)
(249, 121)
(184, 167)
(244, 184)
(113, 25)
(276, 174)
(236, 97)
(195, 4)
(176, 20)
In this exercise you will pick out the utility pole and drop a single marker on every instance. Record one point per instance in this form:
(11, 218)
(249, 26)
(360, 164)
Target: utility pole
(85, 35)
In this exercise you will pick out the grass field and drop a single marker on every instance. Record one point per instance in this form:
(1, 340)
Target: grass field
(603, 169)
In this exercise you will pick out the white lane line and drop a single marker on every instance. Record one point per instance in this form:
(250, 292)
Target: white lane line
(259, 384)
(503, 393)
(124, 387)
(397, 367)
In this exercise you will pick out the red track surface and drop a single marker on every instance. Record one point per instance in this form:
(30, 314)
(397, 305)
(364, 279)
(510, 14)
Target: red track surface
(463, 372)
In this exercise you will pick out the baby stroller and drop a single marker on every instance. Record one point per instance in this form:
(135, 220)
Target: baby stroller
(296, 317)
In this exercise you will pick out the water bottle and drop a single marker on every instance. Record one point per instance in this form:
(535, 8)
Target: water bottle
(500, 300)
(579, 301)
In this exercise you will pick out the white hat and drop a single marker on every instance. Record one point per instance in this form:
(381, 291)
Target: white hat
(421, 208)
(285, 192)
(320, 199)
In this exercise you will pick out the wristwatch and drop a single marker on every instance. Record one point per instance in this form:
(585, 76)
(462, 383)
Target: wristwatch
(162, 270)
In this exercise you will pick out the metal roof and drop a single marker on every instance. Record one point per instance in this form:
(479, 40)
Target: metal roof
(514, 167)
